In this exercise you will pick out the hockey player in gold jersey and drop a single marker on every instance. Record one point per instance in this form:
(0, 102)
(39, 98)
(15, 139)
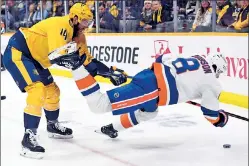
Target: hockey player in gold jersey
(26, 58)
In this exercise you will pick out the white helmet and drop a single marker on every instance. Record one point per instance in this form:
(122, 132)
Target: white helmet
(218, 63)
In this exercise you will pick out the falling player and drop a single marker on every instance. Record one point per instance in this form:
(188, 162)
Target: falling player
(170, 80)
(26, 58)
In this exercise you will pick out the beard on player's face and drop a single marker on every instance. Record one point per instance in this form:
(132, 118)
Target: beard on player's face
(76, 30)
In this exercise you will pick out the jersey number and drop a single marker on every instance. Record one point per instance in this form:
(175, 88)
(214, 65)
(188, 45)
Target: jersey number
(64, 33)
(182, 65)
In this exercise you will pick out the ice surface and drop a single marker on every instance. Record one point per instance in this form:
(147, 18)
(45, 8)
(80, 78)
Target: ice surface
(178, 136)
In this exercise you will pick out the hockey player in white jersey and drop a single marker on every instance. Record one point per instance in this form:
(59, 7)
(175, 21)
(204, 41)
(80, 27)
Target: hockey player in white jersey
(170, 80)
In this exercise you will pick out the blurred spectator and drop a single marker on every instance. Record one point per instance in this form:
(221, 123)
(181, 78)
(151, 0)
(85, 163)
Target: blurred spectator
(128, 15)
(107, 21)
(7, 17)
(20, 10)
(237, 7)
(136, 7)
(112, 8)
(31, 13)
(192, 7)
(40, 13)
(58, 8)
(49, 7)
(70, 4)
(203, 17)
(146, 15)
(160, 14)
(225, 13)
(243, 17)
(130, 24)
(28, 20)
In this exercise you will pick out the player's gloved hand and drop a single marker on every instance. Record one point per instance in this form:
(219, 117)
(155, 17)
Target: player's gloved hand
(119, 76)
(223, 119)
(70, 61)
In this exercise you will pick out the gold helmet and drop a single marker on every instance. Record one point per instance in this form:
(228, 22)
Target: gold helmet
(80, 10)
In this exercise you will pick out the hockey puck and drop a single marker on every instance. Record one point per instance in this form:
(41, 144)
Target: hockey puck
(226, 146)
(3, 97)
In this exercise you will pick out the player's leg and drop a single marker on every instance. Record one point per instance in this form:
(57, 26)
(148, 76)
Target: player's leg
(52, 106)
(168, 95)
(119, 100)
(146, 103)
(22, 70)
(126, 121)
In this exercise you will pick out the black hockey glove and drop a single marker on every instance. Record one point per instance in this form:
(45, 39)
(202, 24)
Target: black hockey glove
(117, 76)
(223, 119)
(70, 61)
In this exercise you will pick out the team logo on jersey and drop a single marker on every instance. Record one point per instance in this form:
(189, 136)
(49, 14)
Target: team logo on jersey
(161, 47)
(35, 72)
(116, 95)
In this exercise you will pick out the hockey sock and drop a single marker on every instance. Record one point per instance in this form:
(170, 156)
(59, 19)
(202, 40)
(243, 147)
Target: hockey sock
(85, 82)
(125, 121)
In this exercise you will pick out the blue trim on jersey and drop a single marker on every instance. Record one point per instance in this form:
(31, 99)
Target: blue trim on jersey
(91, 90)
(209, 112)
(159, 59)
(133, 118)
(174, 95)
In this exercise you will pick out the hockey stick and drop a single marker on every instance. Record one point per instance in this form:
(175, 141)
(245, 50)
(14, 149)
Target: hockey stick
(108, 74)
(230, 114)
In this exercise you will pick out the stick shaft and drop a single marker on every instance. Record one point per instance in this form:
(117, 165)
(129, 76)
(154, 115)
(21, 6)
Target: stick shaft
(230, 114)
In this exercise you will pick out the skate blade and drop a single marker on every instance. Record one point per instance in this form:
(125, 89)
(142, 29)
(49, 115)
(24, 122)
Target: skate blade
(33, 155)
(59, 136)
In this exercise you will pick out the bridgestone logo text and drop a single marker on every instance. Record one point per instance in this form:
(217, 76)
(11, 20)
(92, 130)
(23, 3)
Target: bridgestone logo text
(128, 55)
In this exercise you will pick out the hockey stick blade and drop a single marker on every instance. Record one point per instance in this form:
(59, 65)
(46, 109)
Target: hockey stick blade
(228, 113)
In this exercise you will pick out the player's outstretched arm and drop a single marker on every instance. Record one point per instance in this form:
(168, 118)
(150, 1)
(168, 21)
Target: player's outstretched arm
(88, 86)
(211, 111)
(97, 101)
(116, 76)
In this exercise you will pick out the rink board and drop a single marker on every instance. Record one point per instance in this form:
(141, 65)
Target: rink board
(134, 52)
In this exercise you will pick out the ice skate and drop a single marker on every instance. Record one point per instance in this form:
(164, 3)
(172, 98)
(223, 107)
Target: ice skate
(109, 131)
(30, 146)
(55, 130)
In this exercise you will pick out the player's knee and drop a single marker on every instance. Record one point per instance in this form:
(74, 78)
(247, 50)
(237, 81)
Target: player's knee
(145, 116)
(98, 103)
(52, 98)
(35, 99)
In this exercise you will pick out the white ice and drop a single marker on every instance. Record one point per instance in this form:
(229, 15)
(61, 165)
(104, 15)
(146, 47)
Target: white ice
(179, 136)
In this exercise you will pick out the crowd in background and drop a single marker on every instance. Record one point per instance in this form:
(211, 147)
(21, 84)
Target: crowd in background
(136, 16)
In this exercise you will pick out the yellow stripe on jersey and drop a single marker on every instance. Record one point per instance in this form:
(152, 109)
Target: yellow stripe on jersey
(16, 58)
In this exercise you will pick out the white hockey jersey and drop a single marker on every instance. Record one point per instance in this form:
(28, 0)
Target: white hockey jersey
(195, 79)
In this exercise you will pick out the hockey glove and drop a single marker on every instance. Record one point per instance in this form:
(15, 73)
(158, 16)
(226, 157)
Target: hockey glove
(119, 76)
(223, 119)
(70, 61)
